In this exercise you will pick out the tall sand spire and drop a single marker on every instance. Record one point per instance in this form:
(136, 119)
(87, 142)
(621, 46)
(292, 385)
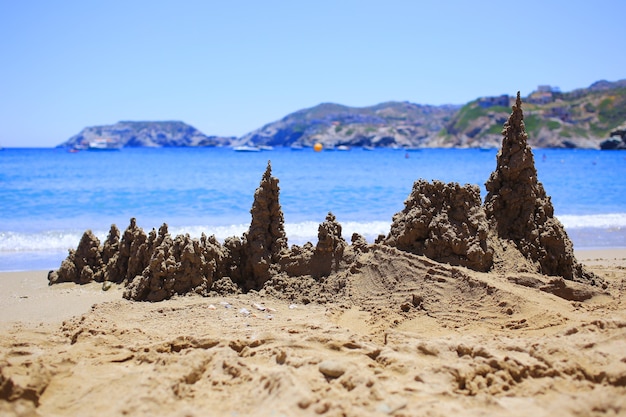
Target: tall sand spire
(518, 209)
(266, 237)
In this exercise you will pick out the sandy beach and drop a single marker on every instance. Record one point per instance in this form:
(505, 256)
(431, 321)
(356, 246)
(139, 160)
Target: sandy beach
(466, 307)
(488, 348)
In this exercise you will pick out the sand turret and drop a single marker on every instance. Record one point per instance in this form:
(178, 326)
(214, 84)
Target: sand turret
(266, 237)
(329, 249)
(444, 222)
(520, 212)
(176, 266)
(82, 265)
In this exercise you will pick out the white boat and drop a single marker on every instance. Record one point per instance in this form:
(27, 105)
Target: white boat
(266, 148)
(104, 145)
(343, 148)
(246, 149)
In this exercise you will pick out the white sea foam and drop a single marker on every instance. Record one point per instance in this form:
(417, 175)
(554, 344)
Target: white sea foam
(596, 221)
(44, 241)
(297, 233)
(220, 232)
(300, 233)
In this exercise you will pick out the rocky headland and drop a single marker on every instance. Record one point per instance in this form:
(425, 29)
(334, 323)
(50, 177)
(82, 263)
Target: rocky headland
(391, 124)
(591, 117)
(145, 134)
(583, 118)
(514, 231)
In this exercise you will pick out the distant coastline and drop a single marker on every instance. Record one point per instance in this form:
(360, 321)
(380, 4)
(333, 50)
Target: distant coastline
(587, 118)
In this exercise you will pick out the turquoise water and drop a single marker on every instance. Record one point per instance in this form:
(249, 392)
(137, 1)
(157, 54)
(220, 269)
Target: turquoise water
(48, 197)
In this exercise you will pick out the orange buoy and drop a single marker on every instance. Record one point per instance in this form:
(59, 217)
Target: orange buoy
(317, 147)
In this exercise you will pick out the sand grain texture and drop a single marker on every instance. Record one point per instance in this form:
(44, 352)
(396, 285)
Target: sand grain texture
(442, 340)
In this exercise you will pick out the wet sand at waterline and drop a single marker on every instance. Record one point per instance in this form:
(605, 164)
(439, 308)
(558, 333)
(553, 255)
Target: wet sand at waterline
(489, 346)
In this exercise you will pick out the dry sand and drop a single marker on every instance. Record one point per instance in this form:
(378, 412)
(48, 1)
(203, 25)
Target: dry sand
(428, 340)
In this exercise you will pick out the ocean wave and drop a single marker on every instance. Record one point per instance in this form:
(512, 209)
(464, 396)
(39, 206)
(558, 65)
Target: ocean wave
(40, 242)
(300, 233)
(297, 233)
(595, 221)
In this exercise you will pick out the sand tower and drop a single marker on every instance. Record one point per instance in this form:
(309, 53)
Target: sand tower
(520, 212)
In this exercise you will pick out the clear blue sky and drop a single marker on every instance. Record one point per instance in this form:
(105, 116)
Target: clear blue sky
(229, 67)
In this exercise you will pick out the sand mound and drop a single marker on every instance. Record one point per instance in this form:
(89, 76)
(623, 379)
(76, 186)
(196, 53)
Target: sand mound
(440, 340)
(444, 222)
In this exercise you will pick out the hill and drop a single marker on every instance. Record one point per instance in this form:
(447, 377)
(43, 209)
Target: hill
(583, 118)
(146, 134)
(383, 125)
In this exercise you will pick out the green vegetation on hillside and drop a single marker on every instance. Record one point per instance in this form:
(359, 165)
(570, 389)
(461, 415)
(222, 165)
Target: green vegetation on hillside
(473, 111)
(612, 110)
(534, 123)
(559, 119)
(583, 117)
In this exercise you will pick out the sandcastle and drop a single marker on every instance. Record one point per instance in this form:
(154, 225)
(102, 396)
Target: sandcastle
(446, 223)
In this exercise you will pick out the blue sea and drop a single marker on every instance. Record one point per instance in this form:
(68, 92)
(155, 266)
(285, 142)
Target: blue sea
(49, 197)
